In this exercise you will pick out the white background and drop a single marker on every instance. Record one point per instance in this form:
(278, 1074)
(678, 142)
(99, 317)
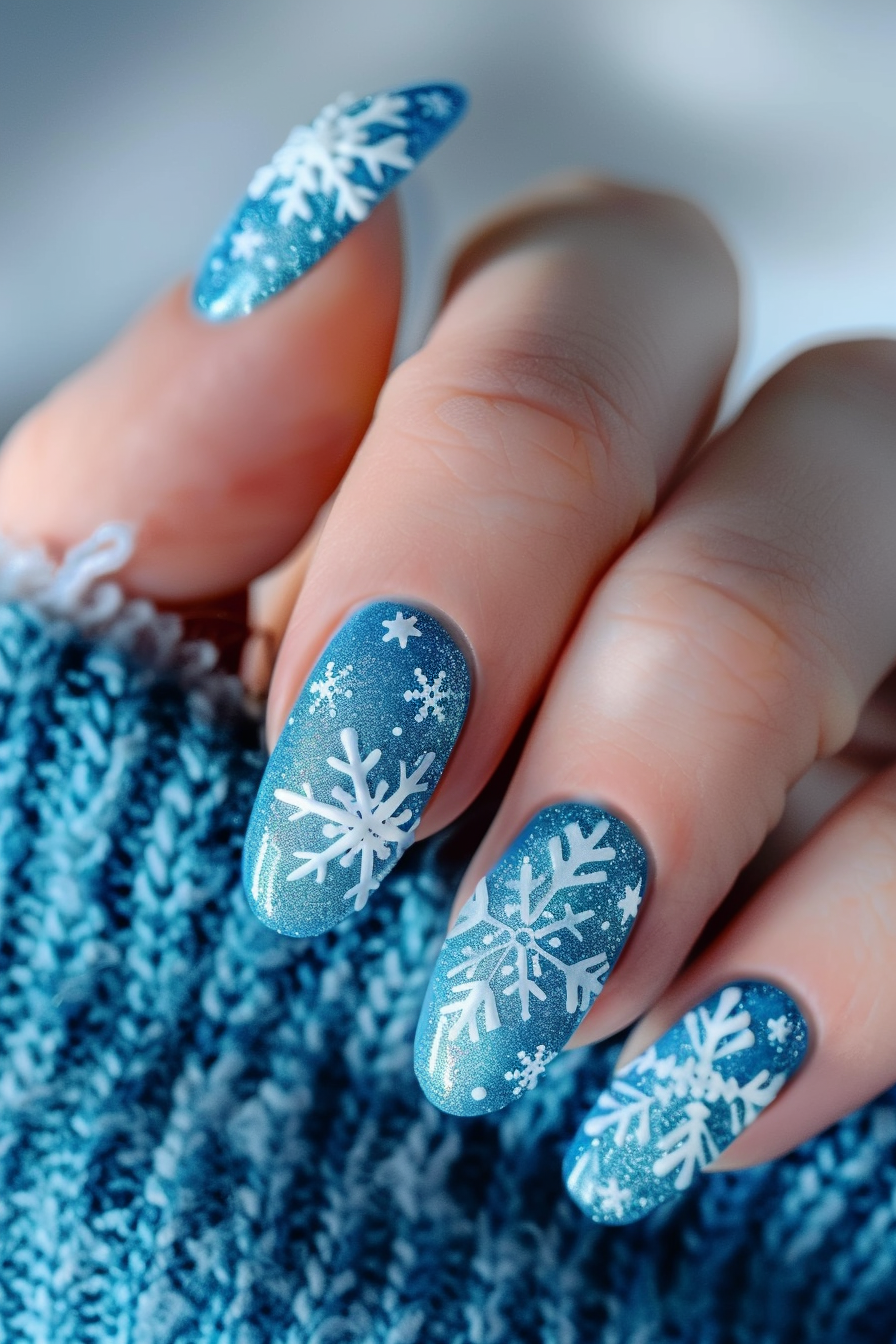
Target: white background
(130, 129)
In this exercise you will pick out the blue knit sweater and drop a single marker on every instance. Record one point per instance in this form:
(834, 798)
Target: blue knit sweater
(212, 1133)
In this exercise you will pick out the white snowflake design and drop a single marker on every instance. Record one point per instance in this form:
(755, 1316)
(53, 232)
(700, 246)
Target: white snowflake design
(778, 1030)
(365, 824)
(328, 688)
(402, 628)
(531, 1067)
(628, 905)
(245, 243)
(633, 1111)
(513, 955)
(321, 159)
(430, 694)
(613, 1199)
(435, 103)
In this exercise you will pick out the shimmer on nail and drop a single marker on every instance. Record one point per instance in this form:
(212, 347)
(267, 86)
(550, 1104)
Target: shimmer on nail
(356, 763)
(675, 1108)
(323, 181)
(529, 954)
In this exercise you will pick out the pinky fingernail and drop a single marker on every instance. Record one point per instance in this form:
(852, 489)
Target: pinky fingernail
(675, 1108)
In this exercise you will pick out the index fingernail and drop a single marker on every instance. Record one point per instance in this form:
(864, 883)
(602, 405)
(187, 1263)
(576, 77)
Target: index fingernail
(323, 181)
(356, 763)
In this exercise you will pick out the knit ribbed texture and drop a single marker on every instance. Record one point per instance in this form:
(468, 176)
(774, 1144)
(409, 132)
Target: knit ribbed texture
(212, 1133)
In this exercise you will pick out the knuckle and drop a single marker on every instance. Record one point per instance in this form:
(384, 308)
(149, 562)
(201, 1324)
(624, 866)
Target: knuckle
(741, 629)
(534, 418)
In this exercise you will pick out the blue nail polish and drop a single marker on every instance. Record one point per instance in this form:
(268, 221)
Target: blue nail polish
(323, 181)
(529, 954)
(359, 758)
(673, 1110)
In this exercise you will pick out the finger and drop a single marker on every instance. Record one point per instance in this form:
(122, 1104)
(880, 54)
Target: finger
(729, 647)
(217, 443)
(824, 928)
(508, 462)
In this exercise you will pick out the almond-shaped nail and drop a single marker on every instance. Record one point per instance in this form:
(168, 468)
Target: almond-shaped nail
(675, 1108)
(324, 180)
(353, 769)
(527, 957)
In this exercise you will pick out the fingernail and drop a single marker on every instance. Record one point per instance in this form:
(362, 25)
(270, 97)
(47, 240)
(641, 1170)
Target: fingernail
(323, 181)
(355, 765)
(529, 954)
(674, 1109)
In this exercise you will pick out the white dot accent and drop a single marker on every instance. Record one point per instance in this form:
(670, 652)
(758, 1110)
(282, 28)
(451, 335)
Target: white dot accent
(479, 1094)
(605, 925)
(396, 732)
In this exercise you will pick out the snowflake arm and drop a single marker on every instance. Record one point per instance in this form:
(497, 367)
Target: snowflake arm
(687, 1148)
(476, 995)
(746, 1100)
(621, 1107)
(582, 850)
(724, 1033)
(524, 985)
(584, 981)
(473, 912)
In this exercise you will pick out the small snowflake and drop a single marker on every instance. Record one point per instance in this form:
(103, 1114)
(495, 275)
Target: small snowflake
(526, 1077)
(401, 628)
(245, 244)
(328, 688)
(778, 1030)
(629, 903)
(612, 1198)
(430, 695)
(435, 103)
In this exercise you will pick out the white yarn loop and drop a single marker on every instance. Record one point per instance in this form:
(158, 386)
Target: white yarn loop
(77, 591)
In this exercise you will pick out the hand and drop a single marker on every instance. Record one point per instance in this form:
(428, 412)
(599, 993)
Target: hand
(537, 519)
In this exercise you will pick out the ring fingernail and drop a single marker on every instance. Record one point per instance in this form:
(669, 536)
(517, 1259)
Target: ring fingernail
(323, 181)
(528, 955)
(356, 763)
(671, 1111)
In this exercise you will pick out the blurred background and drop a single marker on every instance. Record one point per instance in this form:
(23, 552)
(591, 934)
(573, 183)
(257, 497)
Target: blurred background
(129, 130)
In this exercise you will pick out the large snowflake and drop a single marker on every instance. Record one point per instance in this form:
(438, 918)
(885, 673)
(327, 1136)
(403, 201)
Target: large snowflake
(359, 824)
(323, 159)
(700, 1080)
(531, 947)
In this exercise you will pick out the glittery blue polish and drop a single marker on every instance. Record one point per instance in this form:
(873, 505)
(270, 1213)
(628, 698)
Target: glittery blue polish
(527, 957)
(323, 181)
(672, 1111)
(356, 763)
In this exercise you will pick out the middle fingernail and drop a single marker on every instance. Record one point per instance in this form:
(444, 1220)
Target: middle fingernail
(529, 954)
(356, 763)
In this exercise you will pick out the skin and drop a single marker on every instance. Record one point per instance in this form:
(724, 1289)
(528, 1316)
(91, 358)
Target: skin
(701, 621)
